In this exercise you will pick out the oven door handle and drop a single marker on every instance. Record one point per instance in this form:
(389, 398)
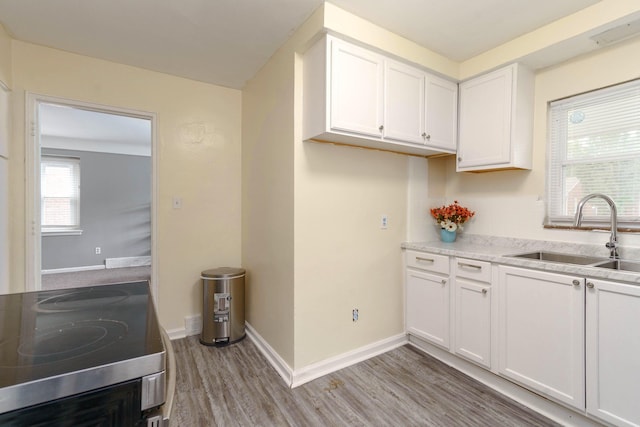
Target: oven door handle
(170, 380)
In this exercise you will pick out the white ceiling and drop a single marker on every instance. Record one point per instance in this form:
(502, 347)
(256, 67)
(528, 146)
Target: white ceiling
(225, 42)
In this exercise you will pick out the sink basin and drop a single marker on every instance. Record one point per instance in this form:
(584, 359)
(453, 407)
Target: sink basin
(618, 264)
(560, 258)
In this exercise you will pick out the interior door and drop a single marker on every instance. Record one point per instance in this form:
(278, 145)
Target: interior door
(55, 137)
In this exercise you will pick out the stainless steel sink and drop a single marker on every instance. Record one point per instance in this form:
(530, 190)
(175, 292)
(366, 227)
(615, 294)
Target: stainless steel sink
(618, 264)
(560, 258)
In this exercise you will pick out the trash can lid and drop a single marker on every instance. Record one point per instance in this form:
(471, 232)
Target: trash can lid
(223, 273)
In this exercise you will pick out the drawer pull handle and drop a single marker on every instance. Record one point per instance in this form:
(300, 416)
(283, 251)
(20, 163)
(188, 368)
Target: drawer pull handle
(475, 267)
(590, 285)
(576, 282)
(419, 259)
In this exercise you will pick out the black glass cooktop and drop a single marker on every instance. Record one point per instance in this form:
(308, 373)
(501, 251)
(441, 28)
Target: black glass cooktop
(96, 336)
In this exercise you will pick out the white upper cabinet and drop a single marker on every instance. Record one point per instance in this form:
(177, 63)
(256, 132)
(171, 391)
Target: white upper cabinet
(354, 96)
(404, 103)
(419, 107)
(356, 90)
(441, 109)
(496, 120)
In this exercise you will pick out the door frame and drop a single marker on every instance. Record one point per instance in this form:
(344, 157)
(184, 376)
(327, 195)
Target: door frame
(33, 235)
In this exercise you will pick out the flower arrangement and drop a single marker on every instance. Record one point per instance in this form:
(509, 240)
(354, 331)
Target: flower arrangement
(452, 217)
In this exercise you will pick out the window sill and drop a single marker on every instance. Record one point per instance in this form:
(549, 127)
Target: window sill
(590, 228)
(61, 233)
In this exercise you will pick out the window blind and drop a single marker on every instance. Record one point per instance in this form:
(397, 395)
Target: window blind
(60, 193)
(594, 147)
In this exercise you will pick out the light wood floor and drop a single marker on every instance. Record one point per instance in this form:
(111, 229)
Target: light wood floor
(235, 386)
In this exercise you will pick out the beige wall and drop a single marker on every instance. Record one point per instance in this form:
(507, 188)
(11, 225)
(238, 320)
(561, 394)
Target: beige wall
(511, 203)
(311, 213)
(343, 259)
(268, 194)
(199, 137)
(5, 57)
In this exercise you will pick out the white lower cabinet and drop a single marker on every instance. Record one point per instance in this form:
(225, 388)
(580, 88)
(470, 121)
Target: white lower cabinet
(573, 340)
(472, 318)
(428, 307)
(541, 332)
(613, 352)
(428, 297)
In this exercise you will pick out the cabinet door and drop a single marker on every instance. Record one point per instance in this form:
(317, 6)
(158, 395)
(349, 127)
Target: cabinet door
(441, 122)
(613, 349)
(541, 332)
(485, 119)
(356, 89)
(403, 103)
(428, 307)
(473, 321)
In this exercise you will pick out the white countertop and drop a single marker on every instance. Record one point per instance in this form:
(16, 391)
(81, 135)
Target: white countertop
(498, 249)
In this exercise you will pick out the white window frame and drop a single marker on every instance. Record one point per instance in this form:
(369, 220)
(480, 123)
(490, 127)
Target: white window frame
(73, 228)
(557, 158)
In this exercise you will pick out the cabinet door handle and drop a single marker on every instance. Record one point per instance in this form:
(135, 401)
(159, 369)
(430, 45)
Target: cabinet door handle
(425, 136)
(590, 285)
(444, 282)
(465, 265)
(381, 128)
(576, 282)
(459, 159)
(420, 259)
(484, 292)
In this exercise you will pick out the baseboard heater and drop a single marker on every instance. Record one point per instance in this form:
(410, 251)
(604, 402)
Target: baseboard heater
(72, 269)
(132, 261)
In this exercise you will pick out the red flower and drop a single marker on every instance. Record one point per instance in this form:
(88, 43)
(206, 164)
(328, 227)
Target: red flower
(453, 213)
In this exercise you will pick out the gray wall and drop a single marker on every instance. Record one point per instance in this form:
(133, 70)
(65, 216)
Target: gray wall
(115, 211)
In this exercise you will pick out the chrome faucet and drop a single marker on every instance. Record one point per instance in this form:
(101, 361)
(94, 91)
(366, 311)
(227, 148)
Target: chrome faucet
(613, 238)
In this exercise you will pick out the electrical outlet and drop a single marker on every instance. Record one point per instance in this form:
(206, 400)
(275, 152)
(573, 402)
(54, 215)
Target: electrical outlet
(355, 314)
(98, 250)
(384, 222)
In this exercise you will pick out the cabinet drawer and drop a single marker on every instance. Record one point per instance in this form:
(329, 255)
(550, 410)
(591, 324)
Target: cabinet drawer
(428, 262)
(472, 269)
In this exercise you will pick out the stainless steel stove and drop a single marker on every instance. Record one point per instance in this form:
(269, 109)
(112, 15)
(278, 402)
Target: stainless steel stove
(94, 355)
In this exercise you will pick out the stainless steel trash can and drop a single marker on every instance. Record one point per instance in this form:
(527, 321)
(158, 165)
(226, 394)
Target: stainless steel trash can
(223, 306)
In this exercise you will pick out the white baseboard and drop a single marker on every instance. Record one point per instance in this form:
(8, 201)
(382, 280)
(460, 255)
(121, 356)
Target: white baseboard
(72, 269)
(295, 378)
(327, 366)
(542, 405)
(278, 363)
(132, 261)
(176, 334)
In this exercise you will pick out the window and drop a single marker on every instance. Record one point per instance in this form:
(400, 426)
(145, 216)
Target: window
(594, 147)
(60, 194)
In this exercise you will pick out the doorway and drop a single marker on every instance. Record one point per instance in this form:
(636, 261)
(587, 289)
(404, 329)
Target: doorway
(91, 195)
